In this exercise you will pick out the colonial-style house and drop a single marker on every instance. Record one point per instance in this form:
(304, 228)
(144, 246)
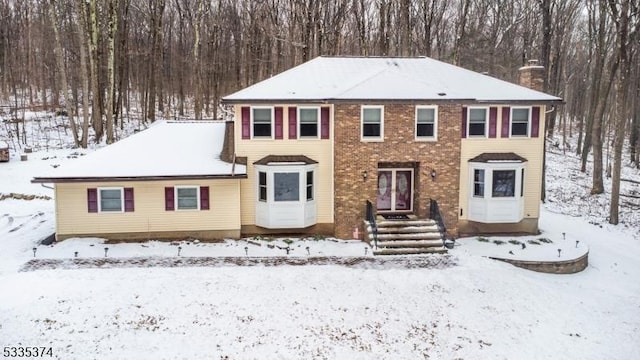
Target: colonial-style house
(397, 132)
(414, 138)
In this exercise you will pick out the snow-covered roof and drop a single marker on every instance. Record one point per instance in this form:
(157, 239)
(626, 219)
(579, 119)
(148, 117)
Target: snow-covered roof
(3, 145)
(381, 78)
(166, 149)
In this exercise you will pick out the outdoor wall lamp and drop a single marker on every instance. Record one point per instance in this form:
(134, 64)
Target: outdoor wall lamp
(433, 174)
(364, 175)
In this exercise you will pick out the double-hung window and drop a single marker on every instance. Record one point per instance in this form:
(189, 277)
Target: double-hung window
(262, 122)
(188, 197)
(309, 120)
(309, 185)
(520, 121)
(262, 186)
(372, 122)
(478, 183)
(111, 199)
(426, 122)
(478, 122)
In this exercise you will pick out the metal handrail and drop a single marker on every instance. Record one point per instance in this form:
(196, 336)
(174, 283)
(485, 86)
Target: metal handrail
(371, 218)
(434, 213)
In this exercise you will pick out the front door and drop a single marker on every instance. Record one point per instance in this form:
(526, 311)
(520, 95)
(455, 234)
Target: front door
(395, 190)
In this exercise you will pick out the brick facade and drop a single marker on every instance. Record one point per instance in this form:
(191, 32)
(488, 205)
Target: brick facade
(399, 149)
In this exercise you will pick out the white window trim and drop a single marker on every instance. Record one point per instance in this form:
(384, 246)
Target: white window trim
(177, 202)
(529, 122)
(435, 123)
(299, 122)
(273, 122)
(486, 122)
(370, 138)
(121, 200)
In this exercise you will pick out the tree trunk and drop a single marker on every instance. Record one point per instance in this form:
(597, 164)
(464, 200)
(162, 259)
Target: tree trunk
(111, 57)
(84, 75)
(96, 111)
(63, 72)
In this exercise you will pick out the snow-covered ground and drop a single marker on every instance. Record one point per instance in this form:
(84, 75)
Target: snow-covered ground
(478, 309)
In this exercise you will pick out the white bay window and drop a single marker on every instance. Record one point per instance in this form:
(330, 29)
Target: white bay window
(285, 193)
(496, 184)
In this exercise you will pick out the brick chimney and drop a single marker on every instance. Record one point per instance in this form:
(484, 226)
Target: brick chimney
(532, 75)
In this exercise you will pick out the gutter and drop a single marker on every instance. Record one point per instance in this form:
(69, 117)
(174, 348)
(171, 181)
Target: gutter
(134, 178)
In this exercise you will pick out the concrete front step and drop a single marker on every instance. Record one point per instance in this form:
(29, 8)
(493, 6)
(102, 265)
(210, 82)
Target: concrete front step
(410, 243)
(408, 229)
(412, 236)
(403, 223)
(410, 251)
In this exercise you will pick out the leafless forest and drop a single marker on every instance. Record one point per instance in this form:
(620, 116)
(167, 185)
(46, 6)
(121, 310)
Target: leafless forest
(109, 61)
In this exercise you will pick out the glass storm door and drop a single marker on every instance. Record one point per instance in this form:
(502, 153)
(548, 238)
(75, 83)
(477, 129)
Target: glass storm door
(395, 190)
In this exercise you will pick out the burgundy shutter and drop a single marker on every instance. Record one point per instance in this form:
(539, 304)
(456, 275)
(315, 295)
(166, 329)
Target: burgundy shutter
(506, 114)
(463, 129)
(535, 121)
(493, 119)
(204, 198)
(293, 123)
(92, 200)
(278, 116)
(169, 203)
(324, 123)
(246, 122)
(128, 199)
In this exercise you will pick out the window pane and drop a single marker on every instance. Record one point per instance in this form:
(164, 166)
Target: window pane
(262, 130)
(262, 178)
(504, 183)
(425, 130)
(308, 115)
(286, 186)
(262, 115)
(426, 115)
(309, 185)
(522, 183)
(519, 129)
(478, 183)
(263, 193)
(520, 115)
(371, 130)
(308, 130)
(477, 115)
(476, 129)
(111, 200)
(372, 115)
(187, 198)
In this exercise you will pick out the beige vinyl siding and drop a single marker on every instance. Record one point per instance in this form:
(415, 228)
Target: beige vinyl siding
(150, 215)
(529, 148)
(320, 150)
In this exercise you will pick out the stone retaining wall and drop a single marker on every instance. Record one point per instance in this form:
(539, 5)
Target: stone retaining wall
(551, 267)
